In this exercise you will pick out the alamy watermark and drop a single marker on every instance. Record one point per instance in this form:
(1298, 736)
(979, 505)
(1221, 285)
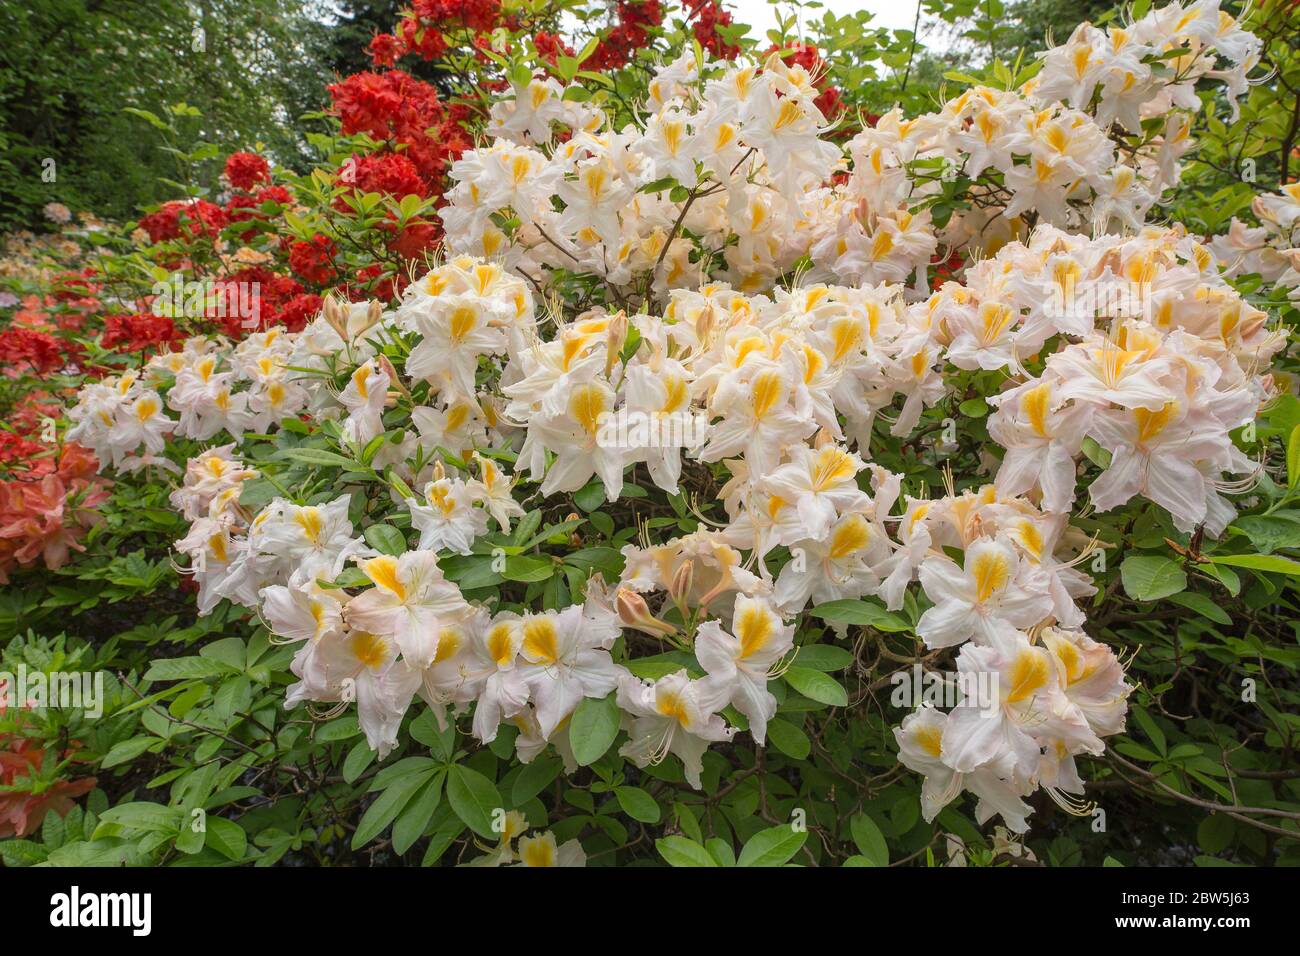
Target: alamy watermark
(208, 299)
(63, 690)
(635, 429)
(918, 686)
(1112, 298)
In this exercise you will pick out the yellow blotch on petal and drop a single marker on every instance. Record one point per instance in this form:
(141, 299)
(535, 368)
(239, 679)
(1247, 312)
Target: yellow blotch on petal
(1029, 674)
(541, 641)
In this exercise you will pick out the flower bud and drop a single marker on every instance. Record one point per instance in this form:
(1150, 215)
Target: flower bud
(615, 338)
(633, 612)
(679, 588)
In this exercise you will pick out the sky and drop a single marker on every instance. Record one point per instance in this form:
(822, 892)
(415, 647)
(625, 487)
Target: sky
(891, 14)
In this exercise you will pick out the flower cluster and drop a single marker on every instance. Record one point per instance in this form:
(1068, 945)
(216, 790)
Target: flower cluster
(721, 297)
(730, 175)
(1271, 249)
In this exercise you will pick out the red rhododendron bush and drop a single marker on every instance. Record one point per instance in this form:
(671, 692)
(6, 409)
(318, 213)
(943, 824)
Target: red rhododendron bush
(631, 440)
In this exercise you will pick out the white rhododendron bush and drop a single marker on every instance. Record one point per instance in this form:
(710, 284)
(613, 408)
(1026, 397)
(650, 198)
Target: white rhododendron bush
(728, 484)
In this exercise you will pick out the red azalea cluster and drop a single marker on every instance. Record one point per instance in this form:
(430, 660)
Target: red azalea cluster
(64, 310)
(21, 810)
(198, 218)
(390, 106)
(372, 283)
(314, 260)
(415, 239)
(550, 47)
(636, 18)
(805, 55)
(141, 332)
(476, 15)
(17, 449)
(245, 206)
(386, 49)
(32, 411)
(27, 351)
(246, 170)
(280, 300)
(423, 30)
(400, 110)
(390, 173)
(76, 287)
(707, 16)
(45, 519)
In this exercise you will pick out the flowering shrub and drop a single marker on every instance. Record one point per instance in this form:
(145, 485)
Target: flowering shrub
(603, 475)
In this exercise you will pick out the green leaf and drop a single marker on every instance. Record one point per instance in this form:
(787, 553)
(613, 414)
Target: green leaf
(1151, 577)
(637, 804)
(143, 816)
(127, 751)
(185, 668)
(386, 539)
(359, 758)
(151, 118)
(590, 497)
(1281, 529)
(191, 838)
(341, 728)
(593, 728)
(1215, 832)
(721, 851)
(788, 739)
(527, 568)
(534, 778)
(412, 821)
(474, 798)
(1272, 563)
(1293, 458)
(227, 837)
(319, 456)
(823, 657)
(679, 851)
(864, 613)
(772, 847)
(817, 686)
(386, 807)
(868, 838)
(1150, 728)
(1202, 605)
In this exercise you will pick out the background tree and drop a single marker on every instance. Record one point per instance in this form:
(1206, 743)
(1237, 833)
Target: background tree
(69, 67)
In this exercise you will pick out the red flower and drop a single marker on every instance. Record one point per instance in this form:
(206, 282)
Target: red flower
(15, 449)
(197, 218)
(246, 170)
(427, 42)
(830, 102)
(245, 206)
(388, 106)
(390, 173)
(372, 283)
(416, 239)
(26, 350)
(475, 15)
(385, 49)
(21, 809)
(298, 311)
(550, 47)
(314, 260)
(140, 333)
(74, 286)
(708, 15)
(45, 520)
